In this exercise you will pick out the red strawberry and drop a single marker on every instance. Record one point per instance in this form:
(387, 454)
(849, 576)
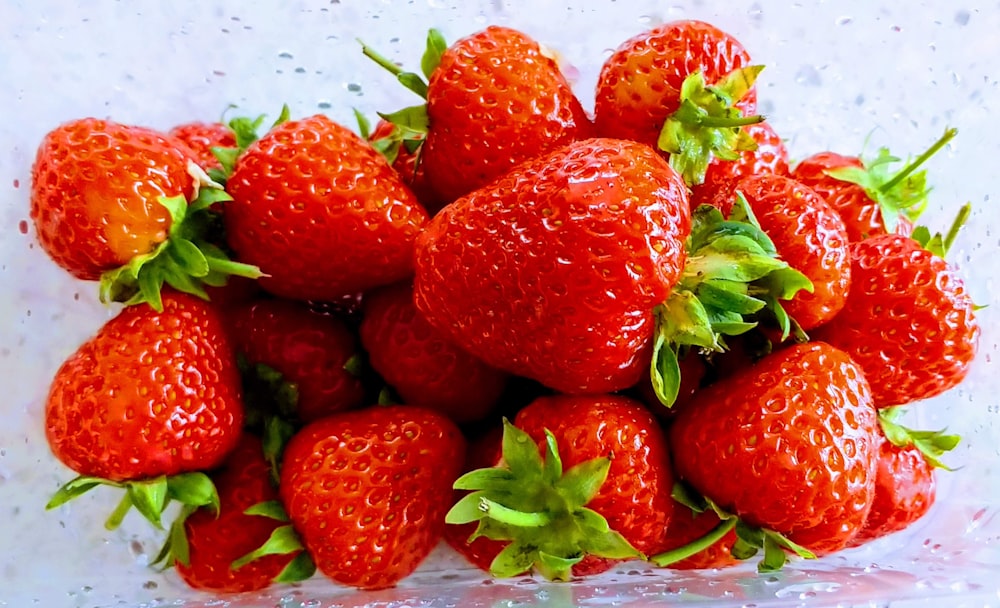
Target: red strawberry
(315, 352)
(808, 233)
(687, 526)
(788, 446)
(421, 363)
(552, 271)
(321, 212)
(719, 187)
(111, 202)
(201, 137)
(870, 199)
(405, 159)
(646, 81)
(494, 99)
(617, 476)
(908, 322)
(215, 540)
(368, 490)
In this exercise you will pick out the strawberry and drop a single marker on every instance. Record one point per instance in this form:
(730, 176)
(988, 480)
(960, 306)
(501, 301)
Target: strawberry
(680, 87)
(404, 156)
(721, 177)
(908, 321)
(611, 503)
(421, 363)
(205, 544)
(870, 199)
(788, 446)
(126, 205)
(552, 271)
(693, 526)
(201, 137)
(495, 98)
(317, 353)
(320, 212)
(810, 233)
(368, 490)
(151, 396)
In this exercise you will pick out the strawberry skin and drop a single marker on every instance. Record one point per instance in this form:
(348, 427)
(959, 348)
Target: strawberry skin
(410, 168)
(201, 137)
(552, 272)
(368, 490)
(421, 363)
(809, 234)
(95, 186)
(152, 393)
(639, 84)
(216, 541)
(495, 100)
(788, 445)
(908, 321)
(309, 349)
(320, 212)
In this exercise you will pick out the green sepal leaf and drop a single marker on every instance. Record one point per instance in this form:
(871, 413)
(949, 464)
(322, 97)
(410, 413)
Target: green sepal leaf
(413, 121)
(516, 558)
(355, 365)
(299, 569)
(696, 546)
(610, 545)
(486, 478)
(277, 433)
(937, 243)
(932, 444)
(413, 82)
(728, 296)
(520, 452)
(556, 568)
(283, 541)
(774, 556)
(552, 470)
(194, 489)
(175, 546)
(75, 488)
(665, 369)
(271, 509)
(149, 498)
(436, 46)
(582, 483)
(364, 126)
(687, 496)
(466, 510)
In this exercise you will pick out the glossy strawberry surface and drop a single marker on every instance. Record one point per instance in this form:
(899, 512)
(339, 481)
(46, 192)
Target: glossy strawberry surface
(368, 490)
(95, 187)
(151, 393)
(495, 99)
(808, 234)
(201, 137)
(788, 444)
(553, 271)
(320, 212)
(908, 321)
(639, 84)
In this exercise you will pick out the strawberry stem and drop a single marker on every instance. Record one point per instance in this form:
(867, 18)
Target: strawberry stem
(118, 515)
(903, 173)
(956, 226)
(696, 546)
(513, 517)
(387, 64)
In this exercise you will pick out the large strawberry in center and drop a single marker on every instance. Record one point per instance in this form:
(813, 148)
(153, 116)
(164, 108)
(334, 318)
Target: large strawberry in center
(552, 271)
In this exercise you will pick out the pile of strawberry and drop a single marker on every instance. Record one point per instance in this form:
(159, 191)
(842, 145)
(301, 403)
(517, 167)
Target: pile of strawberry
(555, 340)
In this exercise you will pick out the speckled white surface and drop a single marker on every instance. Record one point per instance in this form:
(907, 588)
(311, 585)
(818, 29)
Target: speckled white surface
(838, 72)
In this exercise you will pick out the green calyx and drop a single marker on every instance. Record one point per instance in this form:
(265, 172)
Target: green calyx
(732, 278)
(706, 124)
(932, 444)
(531, 502)
(898, 194)
(186, 260)
(750, 540)
(937, 243)
(271, 404)
(246, 130)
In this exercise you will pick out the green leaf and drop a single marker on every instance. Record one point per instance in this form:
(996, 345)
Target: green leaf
(466, 510)
(665, 370)
(553, 470)
(149, 498)
(774, 556)
(299, 569)
(520, 452)
(277, 433)
(177, 207)
(364, 126)
(728, 296)
(413, 120)
(283, 541)
(413, 82)
(514, 517)
(735, 85)
(932, 444)
(689, 497)
(436, 46)
(610, 545)
(284, 116)
(783, 541)
(582, 482)
(480, 479)
(188, 257)
(271, 509)
(75, 488)
(178, 544)
(696, 546)
(684, 320)
(355, 365)
(732, 265)
(516, 558)
(556, 568)
(195, 489)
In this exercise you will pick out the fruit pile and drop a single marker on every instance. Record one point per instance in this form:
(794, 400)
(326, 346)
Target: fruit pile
(554, 339)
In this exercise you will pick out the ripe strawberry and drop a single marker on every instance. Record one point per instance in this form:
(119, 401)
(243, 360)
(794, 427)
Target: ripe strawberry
(421, 363)
(494, 99)
(125, 204)
(201, 137)
(870, 200)
(653, 90)
(618, 476)
(315, 352)
(908, 322)
(552, 271)
(688, 526)
(403, 155)
(368, 490)
(719, 187)
(788, 446)
(810, 234)
(321, 212)
(205, 544)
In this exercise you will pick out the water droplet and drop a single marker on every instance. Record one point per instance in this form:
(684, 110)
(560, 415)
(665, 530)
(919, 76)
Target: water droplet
(324, 105)
(300, 70)
(22, 226)
(17, 183)
(962, 17)
(844, 20)
(285, 55)
(354, 88)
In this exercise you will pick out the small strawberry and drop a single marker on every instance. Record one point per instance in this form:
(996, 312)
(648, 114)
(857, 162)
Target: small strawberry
(316, 353)
(681, 87)
(209, 546)
(202, 137)
(788, 446)
(495, 98)
(611, 503)
(127, 205)
(810, 234)
(150, 397)
(321, 212)
(421, 363)
(909, 321)
(870, 199)
(403, 155)
(368, 490)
